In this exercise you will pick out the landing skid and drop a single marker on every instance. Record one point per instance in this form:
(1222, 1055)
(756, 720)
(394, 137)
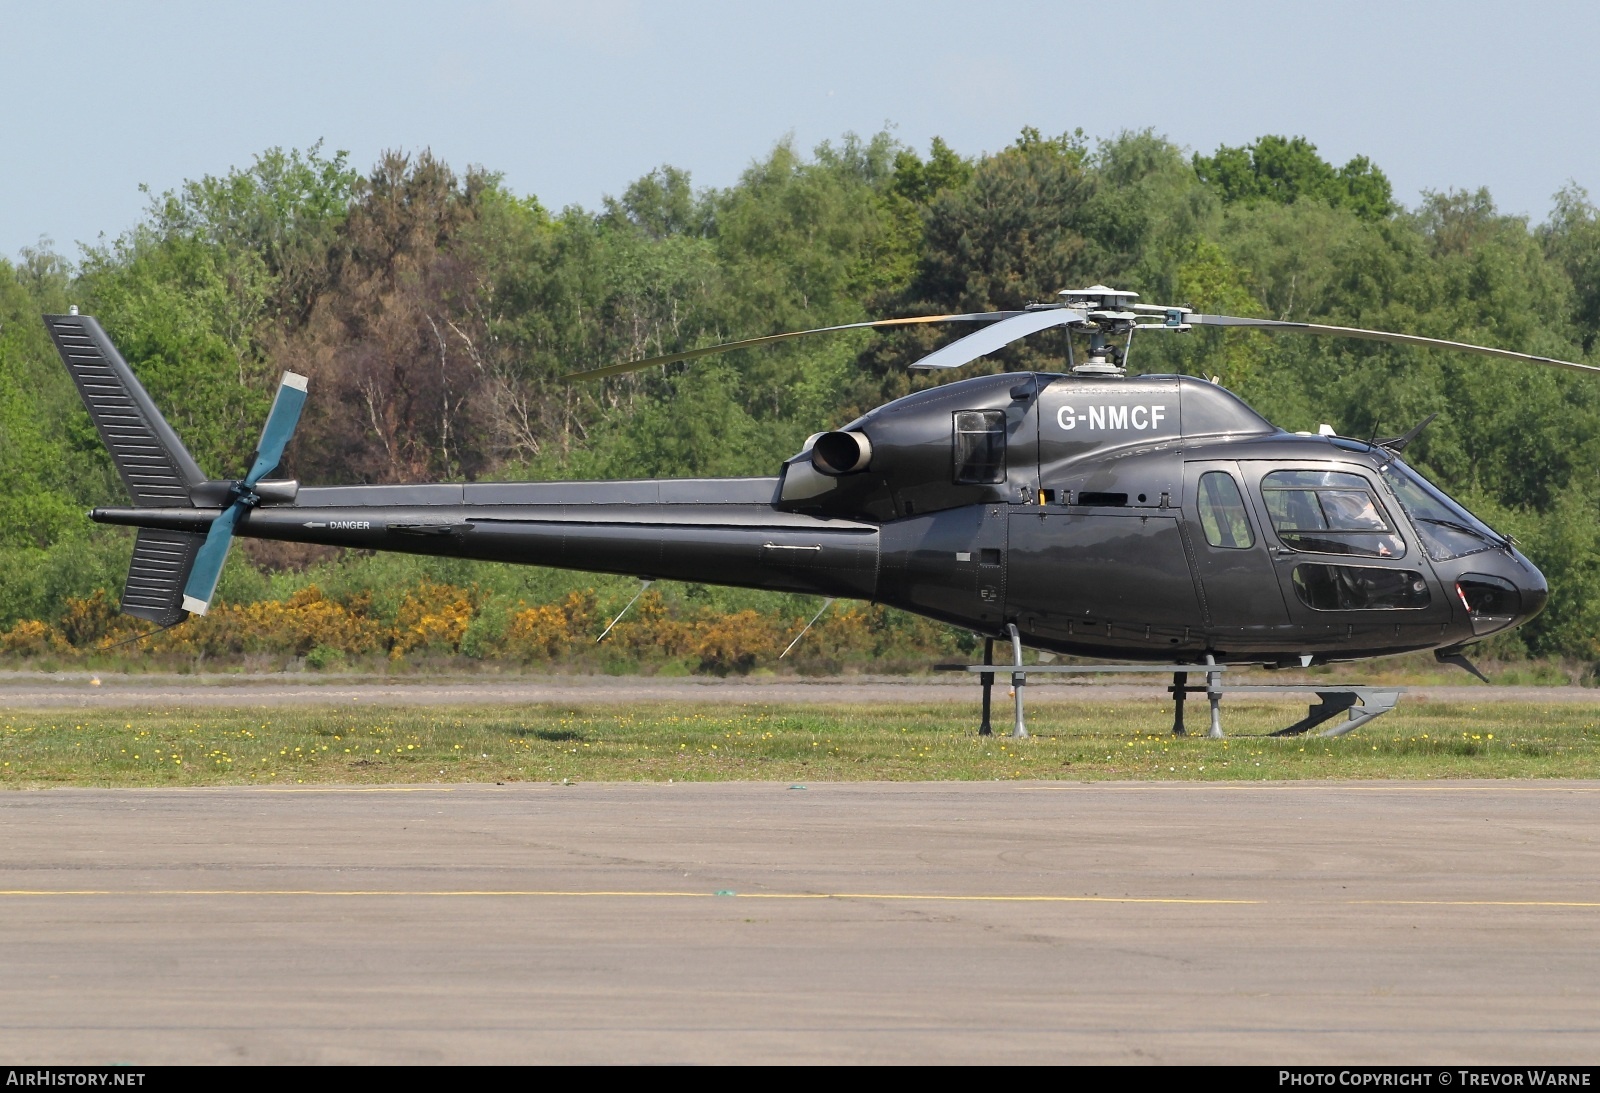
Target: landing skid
(1361, 704)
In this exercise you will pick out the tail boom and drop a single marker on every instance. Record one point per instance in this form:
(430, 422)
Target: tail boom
(712, 544)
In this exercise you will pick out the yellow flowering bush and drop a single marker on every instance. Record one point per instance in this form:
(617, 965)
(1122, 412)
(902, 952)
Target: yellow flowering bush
(649, 629)
(433, 617)
(95, 619)
(551, 630)
(737, 642)
(31, 638)
(538, 633)
(296, 626)
(845, 630)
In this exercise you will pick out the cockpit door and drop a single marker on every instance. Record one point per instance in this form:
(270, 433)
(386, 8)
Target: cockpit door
(1351, 570)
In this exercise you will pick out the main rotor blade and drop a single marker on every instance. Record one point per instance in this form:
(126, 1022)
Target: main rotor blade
(207, 568)
(1273, 326)
(281, 422)
(710, 350)
(1001, 334)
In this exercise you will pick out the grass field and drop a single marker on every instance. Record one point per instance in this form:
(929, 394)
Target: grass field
(664, 741)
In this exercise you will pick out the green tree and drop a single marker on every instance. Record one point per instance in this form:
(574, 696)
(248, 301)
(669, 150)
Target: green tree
(193, 294)
(284, 209)
(1571, 238)
(393, 342)
(1286, 169)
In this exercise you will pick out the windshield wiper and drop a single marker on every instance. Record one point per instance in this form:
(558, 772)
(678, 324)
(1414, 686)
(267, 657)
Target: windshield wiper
(1477, 533)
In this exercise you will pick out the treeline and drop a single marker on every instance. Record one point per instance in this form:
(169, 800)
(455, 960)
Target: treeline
(436, 312)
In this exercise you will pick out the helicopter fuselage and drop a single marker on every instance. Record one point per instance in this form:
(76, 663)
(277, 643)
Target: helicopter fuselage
(1149, 518)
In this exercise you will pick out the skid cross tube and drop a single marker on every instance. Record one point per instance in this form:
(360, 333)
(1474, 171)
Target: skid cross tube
(1020, 673)
(1361, 703)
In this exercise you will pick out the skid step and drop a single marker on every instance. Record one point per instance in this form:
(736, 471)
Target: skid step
(1374, 702)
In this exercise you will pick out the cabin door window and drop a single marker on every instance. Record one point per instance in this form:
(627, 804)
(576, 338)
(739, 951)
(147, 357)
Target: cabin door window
(1222, 513)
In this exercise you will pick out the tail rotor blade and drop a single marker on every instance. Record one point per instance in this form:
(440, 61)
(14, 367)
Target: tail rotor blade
(207, 568)
(275, 437)
(280, 426)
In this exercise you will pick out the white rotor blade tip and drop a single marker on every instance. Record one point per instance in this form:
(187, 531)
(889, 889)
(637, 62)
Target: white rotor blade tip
(194, 606)
(295, 380)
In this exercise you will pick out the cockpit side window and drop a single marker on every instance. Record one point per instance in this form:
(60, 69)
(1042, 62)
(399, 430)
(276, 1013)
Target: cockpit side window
(1222, 515)
(980, 446)
(1329, 512)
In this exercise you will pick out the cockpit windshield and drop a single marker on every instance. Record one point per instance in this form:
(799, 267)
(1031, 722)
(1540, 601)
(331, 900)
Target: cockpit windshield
(1446, 529)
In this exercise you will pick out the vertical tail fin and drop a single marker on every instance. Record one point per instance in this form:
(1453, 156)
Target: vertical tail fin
(155, 466)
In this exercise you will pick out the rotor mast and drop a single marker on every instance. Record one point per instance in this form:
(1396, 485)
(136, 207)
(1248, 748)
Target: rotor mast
(1110, 313)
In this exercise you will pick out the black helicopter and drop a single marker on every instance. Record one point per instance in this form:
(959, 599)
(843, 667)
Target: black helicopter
(1151, 519)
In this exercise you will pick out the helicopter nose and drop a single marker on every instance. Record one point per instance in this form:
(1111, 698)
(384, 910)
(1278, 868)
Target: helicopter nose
(1508, 597)
(1534, 591)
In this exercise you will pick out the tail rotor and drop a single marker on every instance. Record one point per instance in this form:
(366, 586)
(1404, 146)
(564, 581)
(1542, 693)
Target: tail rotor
(242, 497)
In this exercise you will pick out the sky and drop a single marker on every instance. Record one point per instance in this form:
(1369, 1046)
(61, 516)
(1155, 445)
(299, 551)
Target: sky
(570, 100)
